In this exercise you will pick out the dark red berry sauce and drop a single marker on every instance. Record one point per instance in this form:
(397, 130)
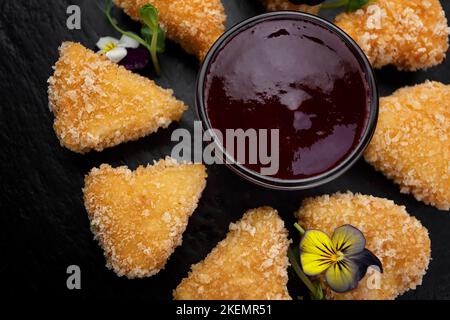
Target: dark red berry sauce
(296, 76)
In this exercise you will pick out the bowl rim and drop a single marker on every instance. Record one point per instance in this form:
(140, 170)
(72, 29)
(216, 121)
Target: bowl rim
(309, 182)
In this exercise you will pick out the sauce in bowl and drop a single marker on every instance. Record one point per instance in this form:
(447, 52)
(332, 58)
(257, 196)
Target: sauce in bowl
(290, 73)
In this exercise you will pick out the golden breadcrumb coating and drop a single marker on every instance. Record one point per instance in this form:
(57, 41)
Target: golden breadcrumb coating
(396, 238)
(139, 216)
(275, 5)
(194, 24)
(250, 264)
(99, 104)
(412, 142)
(411, 34)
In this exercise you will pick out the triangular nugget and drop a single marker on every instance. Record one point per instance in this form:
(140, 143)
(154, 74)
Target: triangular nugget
(250, 264)
(195, 25)
(396, 238)
(99, 104)
(411, 144)
(410, 34)
(139, 216)
(275, 5)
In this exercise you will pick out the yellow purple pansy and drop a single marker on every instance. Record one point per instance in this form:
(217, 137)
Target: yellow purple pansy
(343, 257)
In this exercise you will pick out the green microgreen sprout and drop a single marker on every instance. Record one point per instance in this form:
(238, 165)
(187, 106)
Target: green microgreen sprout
(349, 5)
(152, 36)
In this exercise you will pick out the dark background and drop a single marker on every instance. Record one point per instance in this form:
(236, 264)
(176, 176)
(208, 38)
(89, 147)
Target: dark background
(43, 224)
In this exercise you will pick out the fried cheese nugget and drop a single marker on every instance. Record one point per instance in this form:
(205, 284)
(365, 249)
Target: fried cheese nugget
(194, 24)
(275, 5)
(396, 238)
(410, 34)
(98, 104)
(139, 216)
(250, 264)
(411, 144)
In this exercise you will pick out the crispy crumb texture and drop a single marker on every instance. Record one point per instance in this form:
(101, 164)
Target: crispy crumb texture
(397, 239)
(411, 34)
(139, 216)
(194, 24)
(98, 104)
(412, 142)
(250, 264)
(275, 5)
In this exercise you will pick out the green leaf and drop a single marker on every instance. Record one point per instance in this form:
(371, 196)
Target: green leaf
(350, 5)
(147, 34)
(149, 15)
(354, 5)
(317, 294)
(294, 257)
(334, 4)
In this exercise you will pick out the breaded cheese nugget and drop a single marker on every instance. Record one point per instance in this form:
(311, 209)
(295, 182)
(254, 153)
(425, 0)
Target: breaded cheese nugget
(99, 104)
(194, 24)
(411, 34)
(275, 5)
(139, 216)
(412, 142)
(250, 264)
(396, 238)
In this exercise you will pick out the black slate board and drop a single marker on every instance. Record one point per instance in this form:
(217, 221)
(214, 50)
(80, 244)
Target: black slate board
(44, 226)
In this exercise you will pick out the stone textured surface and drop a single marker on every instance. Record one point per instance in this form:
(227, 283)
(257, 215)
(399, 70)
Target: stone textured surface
(45, 227)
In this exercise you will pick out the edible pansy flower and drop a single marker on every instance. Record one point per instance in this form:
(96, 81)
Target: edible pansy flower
(343, 257)
(114, 49)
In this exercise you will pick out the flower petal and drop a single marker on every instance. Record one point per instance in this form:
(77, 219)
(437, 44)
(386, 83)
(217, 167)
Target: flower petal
(342, 276)
(104, 41)
(348, 240)
(136, 58)
(316, 251)
(364, 260)
(313, 264)
(116, 54)
(127, 42)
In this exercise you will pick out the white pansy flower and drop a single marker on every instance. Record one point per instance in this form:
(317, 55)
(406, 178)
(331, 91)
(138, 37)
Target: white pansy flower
(114, 49)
